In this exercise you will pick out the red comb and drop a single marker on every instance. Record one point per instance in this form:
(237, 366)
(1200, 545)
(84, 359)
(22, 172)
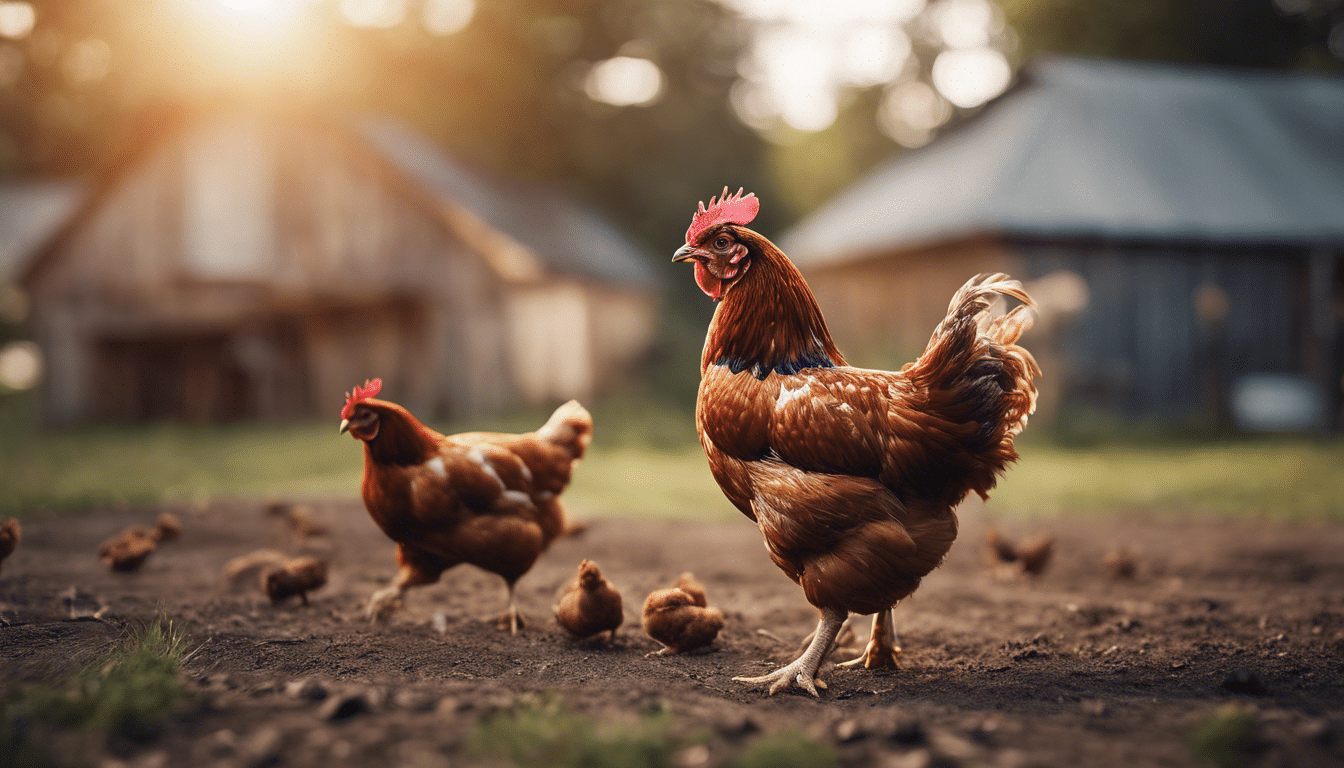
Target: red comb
(736, 209)
(371, 387)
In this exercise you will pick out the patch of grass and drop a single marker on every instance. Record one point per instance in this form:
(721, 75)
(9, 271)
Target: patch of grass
(1289, 479)
(645, 461)
(785, 750)
(123, 695)
(547, 733)
(1226, 739)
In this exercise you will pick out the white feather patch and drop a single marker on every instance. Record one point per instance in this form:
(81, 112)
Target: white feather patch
(477, 456)
(787, 395)
(435, 465)
(517, 497)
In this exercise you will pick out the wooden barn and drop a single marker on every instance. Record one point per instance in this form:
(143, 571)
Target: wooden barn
(1183, 228)
(242, 266)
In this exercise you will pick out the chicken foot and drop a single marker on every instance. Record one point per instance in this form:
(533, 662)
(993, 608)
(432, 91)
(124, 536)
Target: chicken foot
(803, 671)
(412, 573)
(511, 619)
(881, 651)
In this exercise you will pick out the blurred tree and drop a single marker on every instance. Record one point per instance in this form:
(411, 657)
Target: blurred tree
(1281, 34)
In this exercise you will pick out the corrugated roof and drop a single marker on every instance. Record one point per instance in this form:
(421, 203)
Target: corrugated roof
(1092, 148)
(30, 212)
(566, 236)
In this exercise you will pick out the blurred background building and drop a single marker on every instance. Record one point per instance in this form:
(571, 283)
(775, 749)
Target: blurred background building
(225, 209)
(1180, 226)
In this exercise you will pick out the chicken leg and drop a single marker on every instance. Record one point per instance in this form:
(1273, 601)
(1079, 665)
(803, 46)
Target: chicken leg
(511, 619)
(803, 671)
(413, 572)
(881, 651)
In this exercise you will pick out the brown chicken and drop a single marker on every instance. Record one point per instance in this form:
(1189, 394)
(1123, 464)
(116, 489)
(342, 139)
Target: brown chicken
(1011, 560)
(11, 533)
(298, 576)
(680, 617)
(589, 605)
(850, 474)
(488, 499)
(128, 550)
(168, 527)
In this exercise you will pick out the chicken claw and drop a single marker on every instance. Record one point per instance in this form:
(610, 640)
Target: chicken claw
(881, 651)
(803, 671)
(383, 604)
(511, 619)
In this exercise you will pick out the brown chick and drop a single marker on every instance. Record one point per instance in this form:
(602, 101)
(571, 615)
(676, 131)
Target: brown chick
(249, 567)
(687, 583)
(168, 527)
(1034, 555)
(302, 523)
(10, 535)
(589, 605)
(1121, 563)
(128, 550)
(1030, 558)
(296, 577)
(680, 620)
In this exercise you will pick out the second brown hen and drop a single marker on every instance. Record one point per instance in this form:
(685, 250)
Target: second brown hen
(589, 605)
(680, 618)
(10, 535)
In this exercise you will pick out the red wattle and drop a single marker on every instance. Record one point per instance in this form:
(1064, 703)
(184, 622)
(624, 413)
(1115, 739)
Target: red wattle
(711, 285)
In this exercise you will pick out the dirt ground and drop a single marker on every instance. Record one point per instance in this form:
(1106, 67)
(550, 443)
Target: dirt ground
(1073, 668)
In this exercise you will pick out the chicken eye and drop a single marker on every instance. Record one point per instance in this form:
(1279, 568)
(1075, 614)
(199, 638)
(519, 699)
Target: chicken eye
(721, 242)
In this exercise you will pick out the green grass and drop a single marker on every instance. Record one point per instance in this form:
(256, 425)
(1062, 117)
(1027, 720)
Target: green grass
(1225, 738)
(546, 732)
(1281, 479)
(645, 462)
(125, 694)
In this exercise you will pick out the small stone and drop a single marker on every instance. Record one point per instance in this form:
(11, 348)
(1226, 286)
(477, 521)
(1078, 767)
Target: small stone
(1244, 681)
(344, 707)
(915, 758)
(262, 748)
(415, 701)
(849, 730)
(908, 733)
(736, 726)
(307, 688)
(695, 756)
(1094, 708)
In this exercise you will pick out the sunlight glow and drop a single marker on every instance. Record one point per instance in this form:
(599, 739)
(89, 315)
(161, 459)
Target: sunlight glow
(20, 365)
(383, 14)
(624, 81)
(444, 17)
(911, 111)
(969, 77)
(17, 19)
(964, 23)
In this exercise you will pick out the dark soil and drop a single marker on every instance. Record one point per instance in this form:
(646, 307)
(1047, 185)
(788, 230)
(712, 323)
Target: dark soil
(1076, 667)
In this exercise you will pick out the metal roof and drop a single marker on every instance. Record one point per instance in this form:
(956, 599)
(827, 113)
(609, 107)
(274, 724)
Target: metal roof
(30, 212)
(1104, 149)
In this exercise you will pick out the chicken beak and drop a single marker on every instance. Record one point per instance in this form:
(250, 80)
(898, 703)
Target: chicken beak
(345, 426)
(686, 252)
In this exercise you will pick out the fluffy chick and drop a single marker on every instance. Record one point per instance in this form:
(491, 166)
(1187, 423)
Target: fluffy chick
(249, 567)
(680, 618)
(589, 605)
(296, 577)
(1030, 558)
(168, 527)
(10, 535)
(1121, 563)
(128, 550)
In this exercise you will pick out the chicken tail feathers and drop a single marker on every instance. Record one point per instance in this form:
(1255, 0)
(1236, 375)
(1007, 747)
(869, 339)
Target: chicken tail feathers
(570, 427)
(973, 368)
